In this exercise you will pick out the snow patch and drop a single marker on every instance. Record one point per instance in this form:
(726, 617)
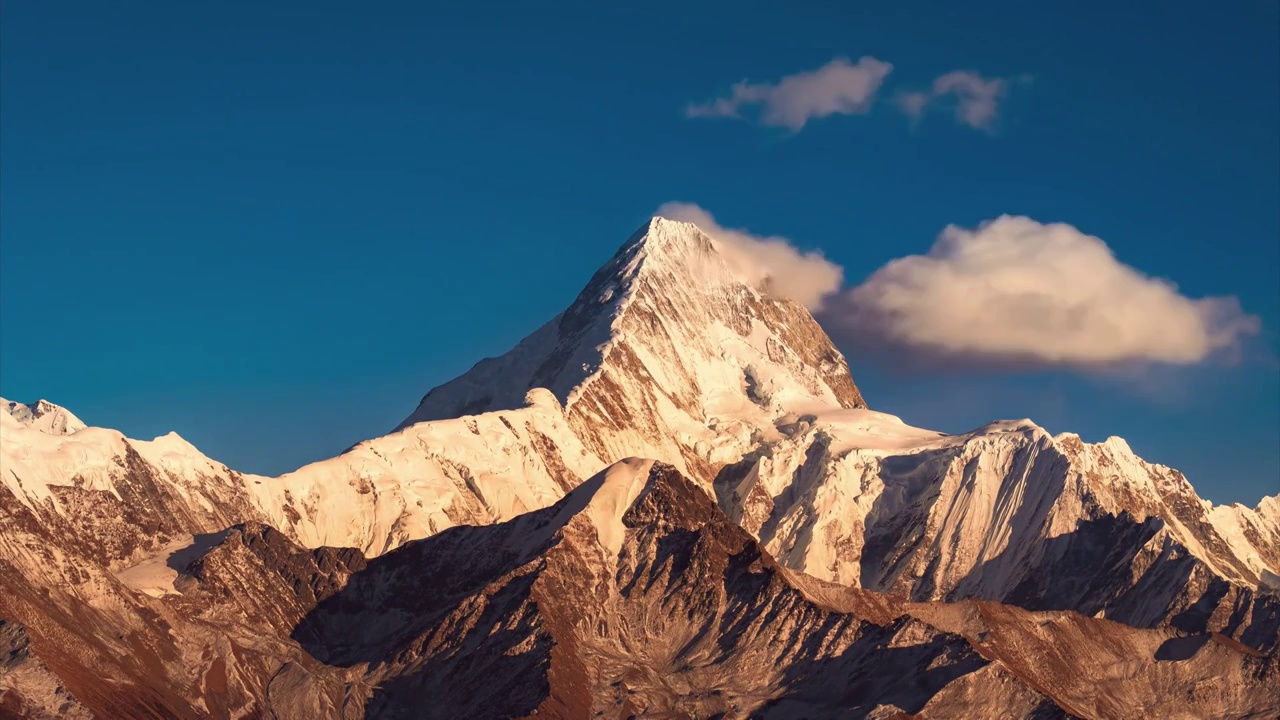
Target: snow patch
(1118, 445)
(155, 575)
(605, 498)
(858, 429)
(542, 398)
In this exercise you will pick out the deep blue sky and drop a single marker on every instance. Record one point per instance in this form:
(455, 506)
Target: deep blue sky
(272, 226)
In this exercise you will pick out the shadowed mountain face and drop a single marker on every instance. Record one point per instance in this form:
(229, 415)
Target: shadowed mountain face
(635, 595)
(783, 552)
(689, 616)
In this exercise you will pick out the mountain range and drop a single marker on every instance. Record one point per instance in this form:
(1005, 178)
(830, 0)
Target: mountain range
(671, 500)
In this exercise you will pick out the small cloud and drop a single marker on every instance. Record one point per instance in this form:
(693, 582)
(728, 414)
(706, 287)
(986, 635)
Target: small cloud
(840, 87)
(765, 261)
(913, 103)
(1018, 292)
(976, 98)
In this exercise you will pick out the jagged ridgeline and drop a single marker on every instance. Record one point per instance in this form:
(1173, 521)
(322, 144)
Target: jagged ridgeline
(670, 500)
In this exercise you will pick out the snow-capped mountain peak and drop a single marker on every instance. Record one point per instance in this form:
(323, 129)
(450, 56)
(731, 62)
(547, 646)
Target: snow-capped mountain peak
(41, 415)
(668, 353)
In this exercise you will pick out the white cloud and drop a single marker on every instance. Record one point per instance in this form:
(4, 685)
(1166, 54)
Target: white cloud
(765, 261)
(1012, 292)
(1018, 291)
(977, 98)
(840, 87)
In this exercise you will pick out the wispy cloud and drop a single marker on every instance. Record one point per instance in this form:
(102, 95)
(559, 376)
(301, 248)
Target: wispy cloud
(840, 87)
(976, 99)
(770, 262)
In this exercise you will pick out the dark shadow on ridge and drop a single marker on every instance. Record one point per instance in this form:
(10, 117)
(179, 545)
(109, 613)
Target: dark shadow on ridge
(1091, 570)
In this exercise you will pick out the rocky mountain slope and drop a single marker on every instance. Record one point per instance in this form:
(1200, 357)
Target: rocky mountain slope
(127, 497)
(485, 555)
(1008, 512)
(635, 595)
(666, 353)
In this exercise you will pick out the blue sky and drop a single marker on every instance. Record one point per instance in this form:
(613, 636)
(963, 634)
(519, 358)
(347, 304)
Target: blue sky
(272, 229)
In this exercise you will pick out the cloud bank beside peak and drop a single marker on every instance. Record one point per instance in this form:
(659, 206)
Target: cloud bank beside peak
(1011, 292)
(806, 277)
(1018, 291)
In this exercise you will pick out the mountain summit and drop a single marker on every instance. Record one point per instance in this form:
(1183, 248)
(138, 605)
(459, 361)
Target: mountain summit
(666, 347)
(41, 415)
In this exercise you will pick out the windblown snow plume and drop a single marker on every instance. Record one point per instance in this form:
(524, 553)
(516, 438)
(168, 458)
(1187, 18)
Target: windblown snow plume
(770, 262)
(1019, 291)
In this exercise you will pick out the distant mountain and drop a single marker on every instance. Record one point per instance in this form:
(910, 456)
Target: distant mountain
(43, 416)
(779, 550)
